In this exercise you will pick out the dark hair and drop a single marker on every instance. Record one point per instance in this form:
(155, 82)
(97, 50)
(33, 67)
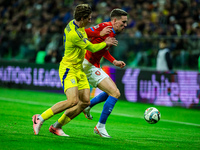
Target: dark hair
(118, 13)
(82, 11)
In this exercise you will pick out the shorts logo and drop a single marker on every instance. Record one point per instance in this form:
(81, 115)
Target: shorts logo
(73, 81)
(98, 73)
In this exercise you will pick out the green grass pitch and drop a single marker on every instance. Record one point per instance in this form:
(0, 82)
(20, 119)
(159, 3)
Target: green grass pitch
(179, 128)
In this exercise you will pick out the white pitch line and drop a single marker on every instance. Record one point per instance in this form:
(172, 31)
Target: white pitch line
(96, 111)
(24, 101)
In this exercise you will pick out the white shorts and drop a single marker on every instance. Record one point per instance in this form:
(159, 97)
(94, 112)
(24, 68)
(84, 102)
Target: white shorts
(94, 75)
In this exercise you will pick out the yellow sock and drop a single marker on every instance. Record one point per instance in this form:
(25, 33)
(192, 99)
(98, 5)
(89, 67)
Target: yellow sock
(47, 114)
(64, 120)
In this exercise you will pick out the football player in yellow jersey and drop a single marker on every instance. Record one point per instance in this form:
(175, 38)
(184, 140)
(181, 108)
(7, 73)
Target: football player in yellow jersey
(73, 79)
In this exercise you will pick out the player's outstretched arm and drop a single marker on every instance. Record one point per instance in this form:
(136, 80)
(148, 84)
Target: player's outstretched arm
(97, 47)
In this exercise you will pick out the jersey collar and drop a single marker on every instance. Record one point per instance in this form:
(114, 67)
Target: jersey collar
(113, 31)
(75, 24)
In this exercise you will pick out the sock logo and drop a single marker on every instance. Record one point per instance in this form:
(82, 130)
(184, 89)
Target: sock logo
(110, 110)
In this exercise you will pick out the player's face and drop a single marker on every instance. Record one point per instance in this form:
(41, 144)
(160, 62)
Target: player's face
(120, 24)
(87, 20)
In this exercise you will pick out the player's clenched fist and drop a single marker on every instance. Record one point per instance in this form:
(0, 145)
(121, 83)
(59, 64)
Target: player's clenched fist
(111, 41)
(106, 30)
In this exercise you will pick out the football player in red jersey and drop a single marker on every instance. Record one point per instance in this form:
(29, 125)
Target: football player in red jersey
(96, 76)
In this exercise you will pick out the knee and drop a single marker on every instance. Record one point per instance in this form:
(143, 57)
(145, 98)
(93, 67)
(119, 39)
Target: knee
(73, 103)
(85, 104)
(116, 93)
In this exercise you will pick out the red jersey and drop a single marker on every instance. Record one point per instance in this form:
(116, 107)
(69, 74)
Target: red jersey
(93, 33)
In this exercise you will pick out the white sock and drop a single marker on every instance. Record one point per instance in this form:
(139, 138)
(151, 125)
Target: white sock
(40, 118)
(100, 125)
(57, 125)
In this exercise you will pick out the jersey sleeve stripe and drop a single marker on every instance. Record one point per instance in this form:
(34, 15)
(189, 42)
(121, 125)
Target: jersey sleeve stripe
(91, 28)
(79, 34)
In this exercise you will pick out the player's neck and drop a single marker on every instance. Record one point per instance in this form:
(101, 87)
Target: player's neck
(113, 25)
(78, 23)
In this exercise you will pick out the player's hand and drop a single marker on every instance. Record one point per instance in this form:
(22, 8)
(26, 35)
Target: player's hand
(111, 41)
(106, 30)
(120, 64)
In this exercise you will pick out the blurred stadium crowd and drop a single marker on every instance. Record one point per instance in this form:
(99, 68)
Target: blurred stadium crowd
(32, 27)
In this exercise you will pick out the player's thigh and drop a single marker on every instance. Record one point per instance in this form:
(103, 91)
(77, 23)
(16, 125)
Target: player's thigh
(83, 88)
(95, 75)
(82, 81)
(72, 95)
(77, 88)
(107, 85)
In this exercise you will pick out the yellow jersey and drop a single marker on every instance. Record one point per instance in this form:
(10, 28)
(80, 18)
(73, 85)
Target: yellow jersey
(75, 43)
